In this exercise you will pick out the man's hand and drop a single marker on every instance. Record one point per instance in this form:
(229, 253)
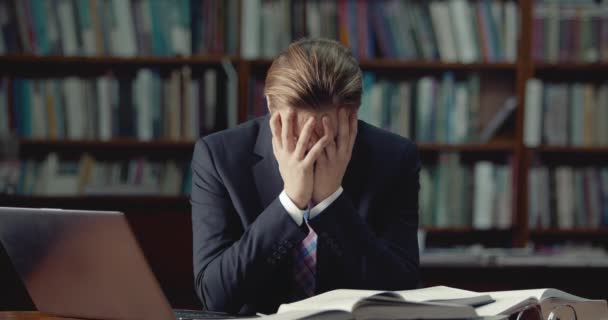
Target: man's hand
(331, 165)
(295, 165)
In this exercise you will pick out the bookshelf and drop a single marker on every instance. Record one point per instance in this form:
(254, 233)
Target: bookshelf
(511, 77)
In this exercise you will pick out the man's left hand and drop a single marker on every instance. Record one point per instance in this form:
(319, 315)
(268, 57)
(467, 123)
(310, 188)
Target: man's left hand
(331, 164)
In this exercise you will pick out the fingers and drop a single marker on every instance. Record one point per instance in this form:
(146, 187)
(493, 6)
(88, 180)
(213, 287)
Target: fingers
(316, 151)
(304, 139)
(343, 130)
(275, 128)
(330, 149)
(353, 130)
(287, 131)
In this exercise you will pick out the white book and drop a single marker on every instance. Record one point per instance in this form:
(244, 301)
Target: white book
(48, 172)
(231, 93)
(511, 31)
(551, 120)
(313, 19)
(424, 107)
(104, 109)
(250, 28)
(438, 302)
(440, 17)
(52, 26)
(505, 198)
(460, 117)
(180, 33)
(461, 18)
(405, 109)
(65, 12)
(123, 33)
(508, 302)
(143, 103)
(269, 38)
(375, 106)
(38, 112)
(73, 93)
(602, 114)
(210, 98)
(564, 188)
(533, 111)
(484, 195)
(172, 180)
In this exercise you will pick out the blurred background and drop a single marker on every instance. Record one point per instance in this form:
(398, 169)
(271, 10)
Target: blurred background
(101, 102)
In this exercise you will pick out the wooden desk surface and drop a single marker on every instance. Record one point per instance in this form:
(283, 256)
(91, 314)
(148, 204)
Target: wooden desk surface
(26, 315)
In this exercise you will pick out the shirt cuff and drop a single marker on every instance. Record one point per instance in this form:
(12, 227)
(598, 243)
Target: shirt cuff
(294, 212)
(316, 210)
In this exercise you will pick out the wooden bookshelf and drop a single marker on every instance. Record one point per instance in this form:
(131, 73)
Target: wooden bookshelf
(512, 75)
(151, 204)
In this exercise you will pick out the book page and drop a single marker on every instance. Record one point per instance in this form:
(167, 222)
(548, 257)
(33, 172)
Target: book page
(436, 293)
(341, 299)
(310, 314)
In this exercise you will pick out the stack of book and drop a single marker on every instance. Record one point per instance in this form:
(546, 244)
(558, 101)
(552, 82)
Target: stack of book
(570, 31)
(453, 194)
(55, 177)
(567, 197)
(118, 27)
(450, 31)
(427, 109)
(566, 114)
(148, 107)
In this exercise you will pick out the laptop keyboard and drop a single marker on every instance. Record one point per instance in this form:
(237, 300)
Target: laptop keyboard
(182, 314)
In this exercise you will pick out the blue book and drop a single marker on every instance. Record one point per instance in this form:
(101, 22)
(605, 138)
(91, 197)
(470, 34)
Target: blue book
(59, 110)
(39, 25)
(159, 41)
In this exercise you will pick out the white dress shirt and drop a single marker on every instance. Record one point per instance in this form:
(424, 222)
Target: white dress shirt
(297, 214)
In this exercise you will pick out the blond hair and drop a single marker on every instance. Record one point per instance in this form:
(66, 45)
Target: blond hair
(314, 74)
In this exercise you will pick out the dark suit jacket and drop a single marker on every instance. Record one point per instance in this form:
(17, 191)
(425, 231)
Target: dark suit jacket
(243, 238)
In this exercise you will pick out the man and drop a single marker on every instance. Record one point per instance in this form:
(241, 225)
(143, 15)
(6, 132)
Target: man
(307, 199)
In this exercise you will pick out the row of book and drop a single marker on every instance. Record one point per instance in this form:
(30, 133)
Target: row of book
(457, 194)
(570, 31)
(87, 176)
(147, 107)
(572, 114)
(119, 27)
(568, 197)
(430, 109)
(448, 30)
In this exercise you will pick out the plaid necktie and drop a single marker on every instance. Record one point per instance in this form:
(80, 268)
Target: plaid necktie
(305, 262)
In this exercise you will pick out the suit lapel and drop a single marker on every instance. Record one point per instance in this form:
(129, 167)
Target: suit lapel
(266, 173)
(357, 173)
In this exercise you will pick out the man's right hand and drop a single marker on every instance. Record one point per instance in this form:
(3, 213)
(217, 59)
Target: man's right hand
(295, 164)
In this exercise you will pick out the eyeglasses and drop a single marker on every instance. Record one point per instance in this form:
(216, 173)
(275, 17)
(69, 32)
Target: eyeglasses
(534, 312)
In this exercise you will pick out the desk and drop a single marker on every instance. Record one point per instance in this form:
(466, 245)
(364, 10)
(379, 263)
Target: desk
(23, 315)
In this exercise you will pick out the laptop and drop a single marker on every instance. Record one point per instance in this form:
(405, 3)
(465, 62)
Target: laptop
(85, 264)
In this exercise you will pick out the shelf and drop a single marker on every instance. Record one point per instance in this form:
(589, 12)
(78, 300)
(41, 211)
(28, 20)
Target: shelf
(115, 202)
(120, 61)
(379, 64)
(582, 232)
(491, 147)
(116, 143)
(570, 150)
(112, 149)
(571, 66)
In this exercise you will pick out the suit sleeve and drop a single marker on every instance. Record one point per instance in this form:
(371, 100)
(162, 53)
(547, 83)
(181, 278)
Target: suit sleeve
(382, 252)
(232, 263)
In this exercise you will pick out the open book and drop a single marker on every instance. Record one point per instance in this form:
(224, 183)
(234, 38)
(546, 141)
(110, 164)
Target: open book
(428, 303)
(436, 303)
(509, 302)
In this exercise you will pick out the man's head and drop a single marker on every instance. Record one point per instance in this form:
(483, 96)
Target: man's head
(314, 77)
